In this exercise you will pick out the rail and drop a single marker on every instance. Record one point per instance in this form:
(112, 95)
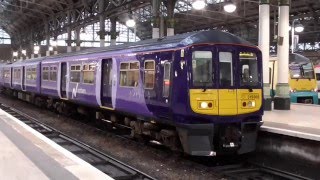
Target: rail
(105, 163)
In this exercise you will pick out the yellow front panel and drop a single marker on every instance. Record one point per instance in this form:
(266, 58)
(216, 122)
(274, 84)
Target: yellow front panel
(228, 102)
(303, 84)
(249, 101)
(198, 96)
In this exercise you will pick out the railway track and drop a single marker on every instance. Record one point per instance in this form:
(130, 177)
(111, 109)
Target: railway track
(239, 169)
(253, 171)
(105, 163)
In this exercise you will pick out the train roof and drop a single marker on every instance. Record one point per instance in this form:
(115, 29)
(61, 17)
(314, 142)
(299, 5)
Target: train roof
(26, 62)
(180, 40)
(298, 59)
(169, 42)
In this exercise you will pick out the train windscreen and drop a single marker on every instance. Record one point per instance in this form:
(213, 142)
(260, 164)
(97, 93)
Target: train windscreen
(301, 71)
(249, 69)
(202, 69)
(318, 76)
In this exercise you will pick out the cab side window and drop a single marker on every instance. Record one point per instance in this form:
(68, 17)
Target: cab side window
(166, 80)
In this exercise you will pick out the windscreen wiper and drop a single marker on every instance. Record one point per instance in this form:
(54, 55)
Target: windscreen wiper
(249, 88)
(204, 87)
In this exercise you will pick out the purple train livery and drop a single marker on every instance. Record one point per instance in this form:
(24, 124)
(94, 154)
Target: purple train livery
(199, 92)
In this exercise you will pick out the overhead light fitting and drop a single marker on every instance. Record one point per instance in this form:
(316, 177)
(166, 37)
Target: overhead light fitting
(37, 48)
(299, 27)
(198, 4)
(15, 54)
(229, 7)
(130, 23)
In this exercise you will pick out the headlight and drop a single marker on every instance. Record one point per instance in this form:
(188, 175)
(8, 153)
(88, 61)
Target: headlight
(315, 90)
(293, 90)
(251, 104)
(204, 105)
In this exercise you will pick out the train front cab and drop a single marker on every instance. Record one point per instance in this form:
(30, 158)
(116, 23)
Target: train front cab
(303, 84)
(302, 80)
(225, 91)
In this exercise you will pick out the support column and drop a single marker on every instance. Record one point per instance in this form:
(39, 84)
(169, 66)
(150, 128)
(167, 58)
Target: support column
(155, 19)
(102, 33)
(39, 44)
(282, 99)
(113, 31)
(161, 29)
(47, 38)
(31, 45)
(20, 52)
(69, 40)
(264, 45)
(55, 47)
(170, 18)
(78, 41)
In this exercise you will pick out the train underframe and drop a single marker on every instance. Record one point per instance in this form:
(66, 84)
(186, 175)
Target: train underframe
(193, 139)
(304, 97)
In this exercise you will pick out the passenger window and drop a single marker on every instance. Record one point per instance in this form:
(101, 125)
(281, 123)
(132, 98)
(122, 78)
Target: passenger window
(53, 73)
(45, 73)
(6, 74)
(88, 73)
(166, 80)
(28, 74)
(202, 72)
(34, 73)
(226, 74)
(149, 74)
(129, 74)
(75, 73)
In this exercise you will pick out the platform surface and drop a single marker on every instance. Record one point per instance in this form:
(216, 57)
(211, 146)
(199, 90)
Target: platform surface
(27, 155)
(303, 121)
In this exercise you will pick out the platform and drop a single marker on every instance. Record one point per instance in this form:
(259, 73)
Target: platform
(26, 154)
(303, 121)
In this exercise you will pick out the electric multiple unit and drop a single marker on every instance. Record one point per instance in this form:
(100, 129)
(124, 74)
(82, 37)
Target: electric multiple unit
(200, 92)
(302, 79)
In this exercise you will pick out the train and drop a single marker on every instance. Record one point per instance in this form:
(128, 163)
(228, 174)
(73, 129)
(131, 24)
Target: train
(199, 92)
(302, 79)
(317, 71)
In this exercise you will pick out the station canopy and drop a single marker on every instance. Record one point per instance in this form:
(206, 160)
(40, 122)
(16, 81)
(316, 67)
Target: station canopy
(22, 18)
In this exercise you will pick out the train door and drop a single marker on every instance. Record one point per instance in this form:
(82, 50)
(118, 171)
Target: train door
(106, 81)
(63, 85)
(11, 76)
(23, 76)
(165, 82)
(227, 91)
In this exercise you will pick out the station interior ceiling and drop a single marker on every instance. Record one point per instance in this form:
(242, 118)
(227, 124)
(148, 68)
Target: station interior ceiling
(24, 18)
